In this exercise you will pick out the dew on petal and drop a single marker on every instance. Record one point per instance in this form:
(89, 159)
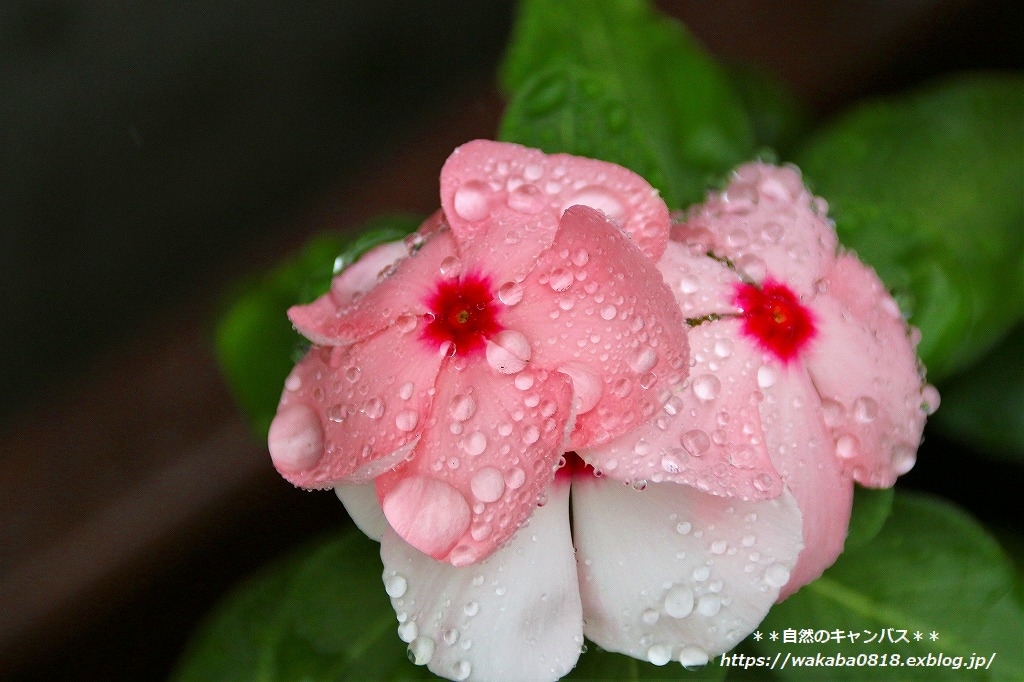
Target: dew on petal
(475, 443)
(600, 198)
(406, 420)
(679, 601)
(374, 407)
(692, 657)
(643, 360)
(776, 575)
(421, 650)
(527, 198)
(472, 201)
(560, 279)
(451, 267)
(767, 376)
(508, 351)
(847, 447)
(406, 322)
(488, 484)
(515, 478)
(865, 409)
(707, 387)
(395, 586)
(586, 386)
(695, 442)
(462, 407)
(296, 438)
(709, 605)
(510, 293)
(659, 654)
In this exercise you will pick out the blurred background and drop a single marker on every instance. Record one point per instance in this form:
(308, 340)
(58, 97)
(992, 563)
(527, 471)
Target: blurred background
(153, 153)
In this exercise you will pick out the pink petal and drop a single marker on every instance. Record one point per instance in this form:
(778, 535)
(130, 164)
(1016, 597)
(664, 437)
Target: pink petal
(865, 368)
(701, 284)
(341, 317)
(518, 616)
(363, 507)
(504, 201)
(597, 309)
(364, 404)
(709, 434)
(670, 573)
(767, 223)
(486, 455)
(804, 453)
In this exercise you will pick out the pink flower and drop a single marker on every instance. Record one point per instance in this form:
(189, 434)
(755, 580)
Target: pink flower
(453, 370)
(804, 379)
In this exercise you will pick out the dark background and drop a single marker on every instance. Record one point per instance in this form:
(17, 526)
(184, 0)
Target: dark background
(152, 153)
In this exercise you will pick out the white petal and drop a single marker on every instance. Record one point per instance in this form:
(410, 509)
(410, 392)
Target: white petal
(670, 571)
(515, 616)
(362, 505)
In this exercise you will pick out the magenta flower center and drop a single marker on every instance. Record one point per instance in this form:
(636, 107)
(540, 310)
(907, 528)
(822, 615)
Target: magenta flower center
(774, 317)
(463, 313)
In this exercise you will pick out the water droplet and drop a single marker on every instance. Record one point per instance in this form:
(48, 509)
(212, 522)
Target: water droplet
(670, 463)
(515, 478)
(643, 360)
(471, 201)
(405, 322)
(763, 482)
(847, 446)
(609, 312)
(742, 457)
(701, 573)
(527, 198)
(723, 348)
(531, 434)
(462, 407)
(296, 438)
(406, 420)
(475, 443)
(405, 390)
(930, 399)
(508, 351)
(737, 238)
(488, 484)
(451, 636)
(904, 457)
(776, 575)
(622, 387)
(374, 408)
(560, 279)
(695, 442)
(833, 413)
(586, 386)
(451, 267)
(679, 601)
(471, 609)
(461, 671)
(706, 387)
(692, 657)
(659, 654)
(580, 258)
(865, 409)
(352, 374)
(421, 650)
(772, 232)
(683, 527)
(293, 382)
(709, 605)
(767, 376)
(408, 631)
(600, 198)
(752, 267)
(689, 284)
(719, 547)
(395, 586)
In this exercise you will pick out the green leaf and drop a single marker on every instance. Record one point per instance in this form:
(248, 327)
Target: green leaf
(871, 509)
(614, 80)
(932, 568)
(322, 614)
(256, 345)
(984, 406)
(927, 189)
(776, 115)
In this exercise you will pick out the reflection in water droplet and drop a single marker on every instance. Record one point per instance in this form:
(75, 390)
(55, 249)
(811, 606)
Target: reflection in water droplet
(508, 351)
(421, 650)
(643, 360)
(406, 420)
(471, 201)
(560, 279)
(374, 408)
(405, 322)
(706, 387)
(451, 267)
(515, 478)
(696, 442)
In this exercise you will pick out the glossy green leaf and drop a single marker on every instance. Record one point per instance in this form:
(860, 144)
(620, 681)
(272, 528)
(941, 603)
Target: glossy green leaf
(320, 615)
(984, 406)
(616, 81)
(776, 115)
(932, 568)
(256, 344)
(871, 509)
(927, 189)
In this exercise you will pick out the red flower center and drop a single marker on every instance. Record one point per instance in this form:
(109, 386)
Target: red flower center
(774, 317)
(464, 314)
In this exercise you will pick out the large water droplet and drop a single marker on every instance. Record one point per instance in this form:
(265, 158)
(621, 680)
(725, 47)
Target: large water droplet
(560, 279)
(643, 360)
(374, 408)
(865, 409)
(508, 351)
(847, 446)
(296, 438)
(406, 322)
(527, 198)
(692, 657)
(586, 386)
(679, 601)
(776, 575)
(471, 201)
(930, 399)
(395, 586)
(600, 198)
(451, 267)
(462, 407)
(471, 608)
(475, 443)
(461, 671)
(695, 442)
(659, 654)
(833, 412)
(767, 376)
(488, 484)
(706, 387)
(609, 312)
(405, 390)
(904, 457)
(709, 605)
(408, 631)
(406, 420)
(515, 478)
(421, 650)
(510, 293)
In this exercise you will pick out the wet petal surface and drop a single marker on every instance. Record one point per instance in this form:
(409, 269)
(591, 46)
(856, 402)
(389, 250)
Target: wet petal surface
(516, 616)
(670, 573)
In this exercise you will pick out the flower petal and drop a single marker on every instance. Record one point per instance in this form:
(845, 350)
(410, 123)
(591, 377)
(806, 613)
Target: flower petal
(363, 507)
(364, 416)
(341, 317)
(517, 616)
(767, 223)
(597, 309)
(804, 453)
(487, 454)
(672, 573)
(707, 435)
(865, 368)
(702, 285)
(506, 199)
